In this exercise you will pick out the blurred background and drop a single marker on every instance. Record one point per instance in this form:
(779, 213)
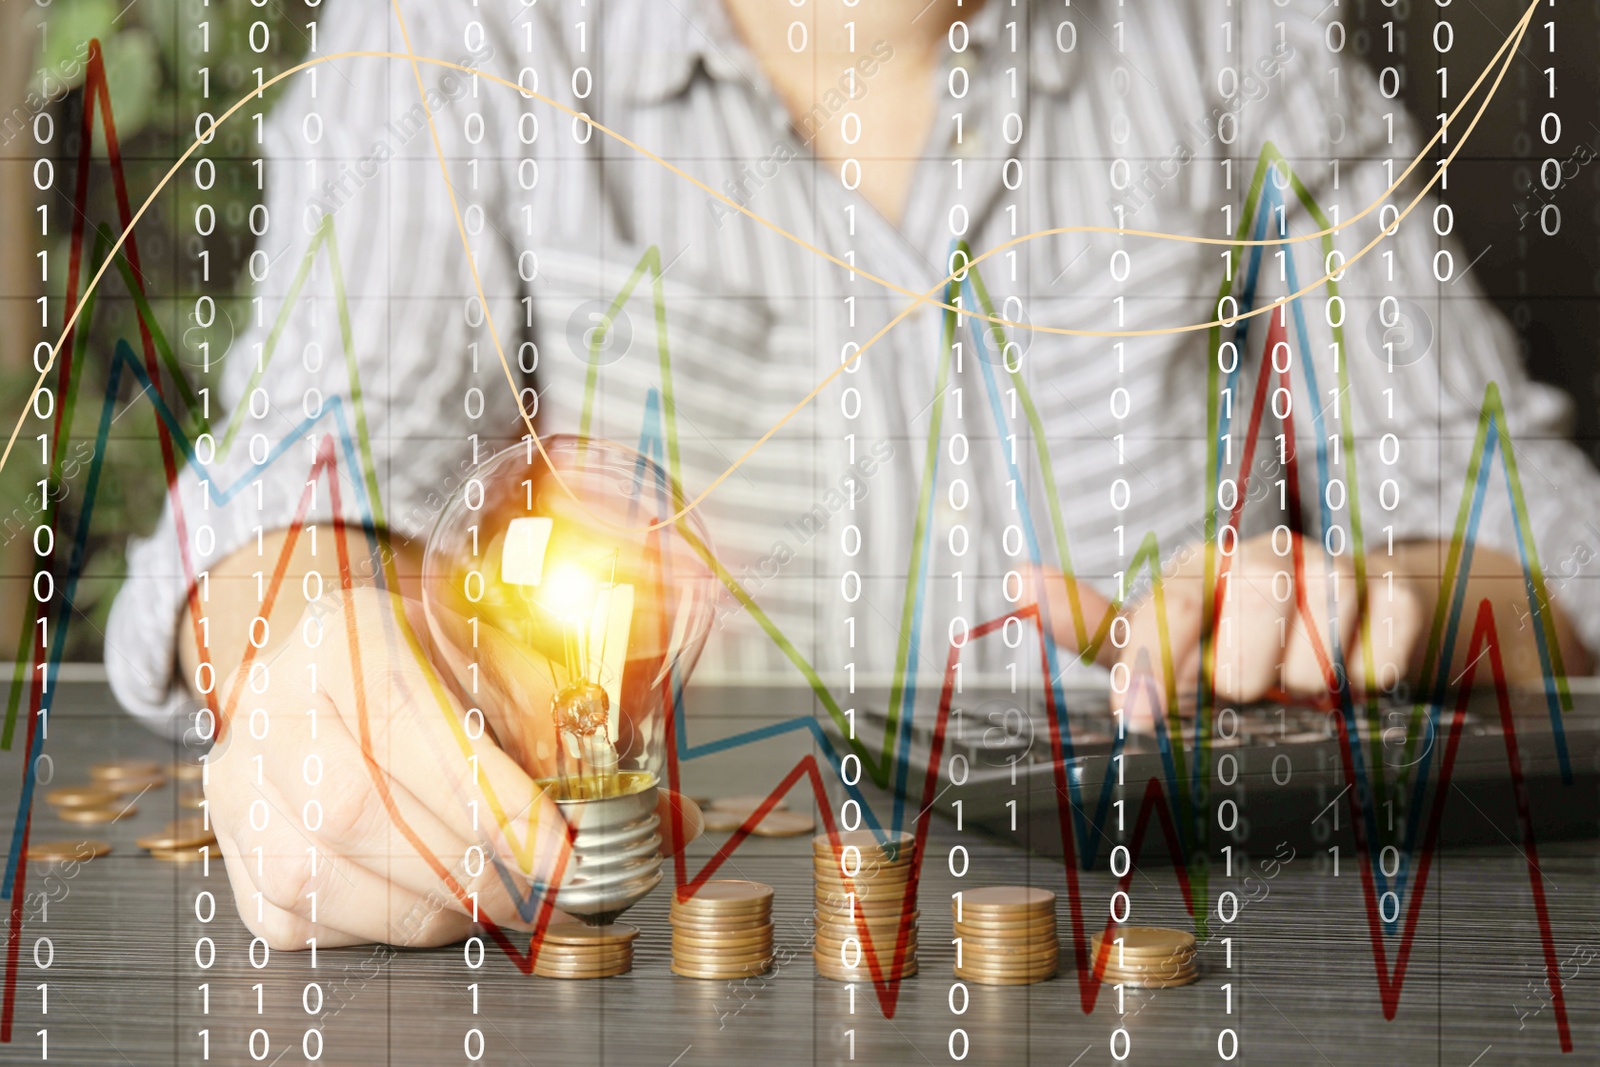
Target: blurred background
(1535, 248)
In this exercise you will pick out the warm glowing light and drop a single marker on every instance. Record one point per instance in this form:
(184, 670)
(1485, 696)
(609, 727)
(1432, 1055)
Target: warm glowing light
(569, 593)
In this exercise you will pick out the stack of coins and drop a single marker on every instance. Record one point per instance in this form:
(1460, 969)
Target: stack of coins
(1006, 935)
(722, 929)
(94, 803)
(1151, 957)
(866, 911)
(571, 949)
(180, 841)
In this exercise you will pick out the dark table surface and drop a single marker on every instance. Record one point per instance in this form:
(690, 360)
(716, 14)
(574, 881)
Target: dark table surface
(117, 950)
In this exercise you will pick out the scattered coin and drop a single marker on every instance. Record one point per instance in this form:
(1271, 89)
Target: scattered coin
(177, 855)
(95, 815)
(133, 785)
(1146, 941)
(189, 832)
(186, 772)
(66, 851)
(784, 824)
(129, 768)
(723, 822)
(744, 804)
(81, 796)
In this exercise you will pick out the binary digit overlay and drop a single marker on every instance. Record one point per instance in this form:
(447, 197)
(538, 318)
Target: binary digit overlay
(485, 485)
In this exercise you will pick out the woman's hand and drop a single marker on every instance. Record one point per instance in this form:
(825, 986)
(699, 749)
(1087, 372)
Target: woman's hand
(351, 803)
(1262, 643)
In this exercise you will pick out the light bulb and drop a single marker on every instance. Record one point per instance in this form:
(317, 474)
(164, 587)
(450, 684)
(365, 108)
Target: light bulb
(569, 629)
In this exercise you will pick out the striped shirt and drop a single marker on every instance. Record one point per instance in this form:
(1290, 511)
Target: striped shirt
(1093, 114)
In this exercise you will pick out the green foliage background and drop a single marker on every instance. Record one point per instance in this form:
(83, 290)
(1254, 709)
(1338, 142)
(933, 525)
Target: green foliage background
(154, 52)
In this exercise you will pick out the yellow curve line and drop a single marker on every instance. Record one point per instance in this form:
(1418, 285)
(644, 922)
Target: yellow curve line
(1512, 42)
(929, 297)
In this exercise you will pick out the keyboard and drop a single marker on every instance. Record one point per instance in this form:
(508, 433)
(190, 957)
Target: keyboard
(1267, 775)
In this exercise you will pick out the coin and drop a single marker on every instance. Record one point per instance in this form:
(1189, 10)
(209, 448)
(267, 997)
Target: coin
(1152, 983)
(881, 943)
(1032, 969)
(875, 923)
(128, 768)
(847, 865)
(715, 972)
(176, 855)
(862, 887)
(578, 934)
(1018, 964)
(833, 969)
(785, 824)
(893, 847)
(700, 925)
(1147, 940)
(95, 815)
(184, 771)
(1112, 976)
(885, 952)
(1000, 960)
(980, 978)
(723, 894)
(723, 822)
(761, 937)
(745, 804)
(758, 954)
(566, 956)
(878, 906)
(179, 833)
(1142, 963)
(877, 937)
(66, 851)
(871, 922)
(133, 786)
(1008, 954)
(881, 892)
(82, 796)
(1009, 900)
(882, 877)
(580, 973)
(193, 799)
(1011, 932)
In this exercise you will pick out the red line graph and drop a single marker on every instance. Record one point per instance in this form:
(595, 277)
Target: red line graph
(1390, 983)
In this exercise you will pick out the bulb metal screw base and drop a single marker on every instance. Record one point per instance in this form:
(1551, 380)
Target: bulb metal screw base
(616, 855)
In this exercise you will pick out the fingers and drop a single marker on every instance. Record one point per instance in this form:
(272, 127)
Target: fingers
(1392, 631)
(1308, 662)
(1070, 611)
(1250, 639)
(286, 896)
(410, 726)
(1140, 670)
(681, 821)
